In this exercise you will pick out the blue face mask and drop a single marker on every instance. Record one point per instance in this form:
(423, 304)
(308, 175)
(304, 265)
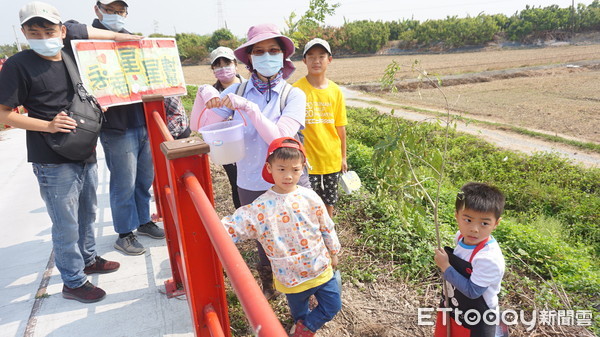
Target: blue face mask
(47, 47)
(114, 22)
(267, 64)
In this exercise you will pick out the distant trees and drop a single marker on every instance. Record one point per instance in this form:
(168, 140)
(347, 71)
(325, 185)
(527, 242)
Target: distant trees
(194, 47)
(366, 36)
(455, 32)
(10, 49)
(221, 37)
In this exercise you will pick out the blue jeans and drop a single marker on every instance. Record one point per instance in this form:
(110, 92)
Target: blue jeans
(129, 161)
(330, 303)
(69, 191)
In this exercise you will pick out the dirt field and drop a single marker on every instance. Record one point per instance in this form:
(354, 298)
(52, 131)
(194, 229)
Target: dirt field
(562, 100)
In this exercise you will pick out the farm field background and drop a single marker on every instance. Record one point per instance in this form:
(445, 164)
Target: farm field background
(554, 89)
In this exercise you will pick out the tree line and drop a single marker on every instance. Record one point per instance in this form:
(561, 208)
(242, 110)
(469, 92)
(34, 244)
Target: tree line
(367, 36)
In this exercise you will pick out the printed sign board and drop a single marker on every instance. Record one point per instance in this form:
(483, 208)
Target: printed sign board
(120, 73)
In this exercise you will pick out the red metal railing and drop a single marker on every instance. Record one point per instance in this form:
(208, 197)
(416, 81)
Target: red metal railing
(198, 245)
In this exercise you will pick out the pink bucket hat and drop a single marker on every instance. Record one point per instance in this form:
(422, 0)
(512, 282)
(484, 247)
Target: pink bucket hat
(263, 32)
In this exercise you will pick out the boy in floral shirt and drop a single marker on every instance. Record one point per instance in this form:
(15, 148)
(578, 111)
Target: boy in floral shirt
(293, 226)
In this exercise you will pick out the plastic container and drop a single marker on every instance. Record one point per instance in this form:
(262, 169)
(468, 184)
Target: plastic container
(350, 182)
(226, 141)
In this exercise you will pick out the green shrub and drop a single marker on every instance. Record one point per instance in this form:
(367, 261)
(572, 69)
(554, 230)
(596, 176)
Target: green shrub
(550, 227)
(366, 36)
(188, 100)
(549, 257)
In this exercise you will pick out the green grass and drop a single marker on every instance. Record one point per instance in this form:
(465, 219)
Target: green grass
(550, 232)
(590, 146)
(188, 100)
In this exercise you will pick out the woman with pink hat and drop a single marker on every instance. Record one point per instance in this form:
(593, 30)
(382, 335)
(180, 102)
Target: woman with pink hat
(266, 55)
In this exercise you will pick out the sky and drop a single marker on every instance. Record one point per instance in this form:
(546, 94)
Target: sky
(206, 16)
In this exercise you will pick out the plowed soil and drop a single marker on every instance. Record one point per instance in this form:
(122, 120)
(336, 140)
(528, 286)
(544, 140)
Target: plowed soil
(554, 89)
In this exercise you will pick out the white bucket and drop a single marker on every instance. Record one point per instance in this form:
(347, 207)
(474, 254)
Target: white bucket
(226, 141)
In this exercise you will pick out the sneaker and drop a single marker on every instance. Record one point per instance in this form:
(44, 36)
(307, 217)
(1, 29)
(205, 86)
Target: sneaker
(152, 230)
(87, 293)
(101, 266)
(130, 245)
(302, 331)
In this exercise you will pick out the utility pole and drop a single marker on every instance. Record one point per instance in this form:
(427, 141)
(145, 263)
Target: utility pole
(17, 38)
(573, 16)
(220, 16)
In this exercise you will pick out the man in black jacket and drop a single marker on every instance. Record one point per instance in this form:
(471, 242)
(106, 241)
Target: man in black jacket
(124, 138)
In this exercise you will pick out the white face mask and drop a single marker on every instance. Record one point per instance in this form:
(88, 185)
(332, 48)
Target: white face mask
(114, 22)
(46, 47)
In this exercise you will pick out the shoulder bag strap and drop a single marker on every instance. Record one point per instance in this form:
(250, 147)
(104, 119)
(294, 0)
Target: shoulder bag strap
(284, 96)
(241, 89)
(71, 69)
(78, 84)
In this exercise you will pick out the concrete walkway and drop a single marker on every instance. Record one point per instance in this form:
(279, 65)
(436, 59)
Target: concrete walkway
(134, 304)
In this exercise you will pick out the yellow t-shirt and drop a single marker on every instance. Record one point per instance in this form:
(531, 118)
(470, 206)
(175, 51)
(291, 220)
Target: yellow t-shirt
(325, 110)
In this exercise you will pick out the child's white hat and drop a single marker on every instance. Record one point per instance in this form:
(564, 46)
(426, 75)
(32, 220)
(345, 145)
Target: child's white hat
(315, 42)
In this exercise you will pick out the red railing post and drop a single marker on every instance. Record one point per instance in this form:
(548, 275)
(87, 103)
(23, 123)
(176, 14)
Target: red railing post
(203, 274)
(255, 305)
(161, 179)
(196, 269)
(196, 240)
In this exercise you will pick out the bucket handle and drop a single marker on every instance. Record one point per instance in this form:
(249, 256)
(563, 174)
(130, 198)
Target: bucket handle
(241, 114)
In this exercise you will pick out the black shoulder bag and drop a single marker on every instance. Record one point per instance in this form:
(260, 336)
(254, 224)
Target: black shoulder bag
(80, 143)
